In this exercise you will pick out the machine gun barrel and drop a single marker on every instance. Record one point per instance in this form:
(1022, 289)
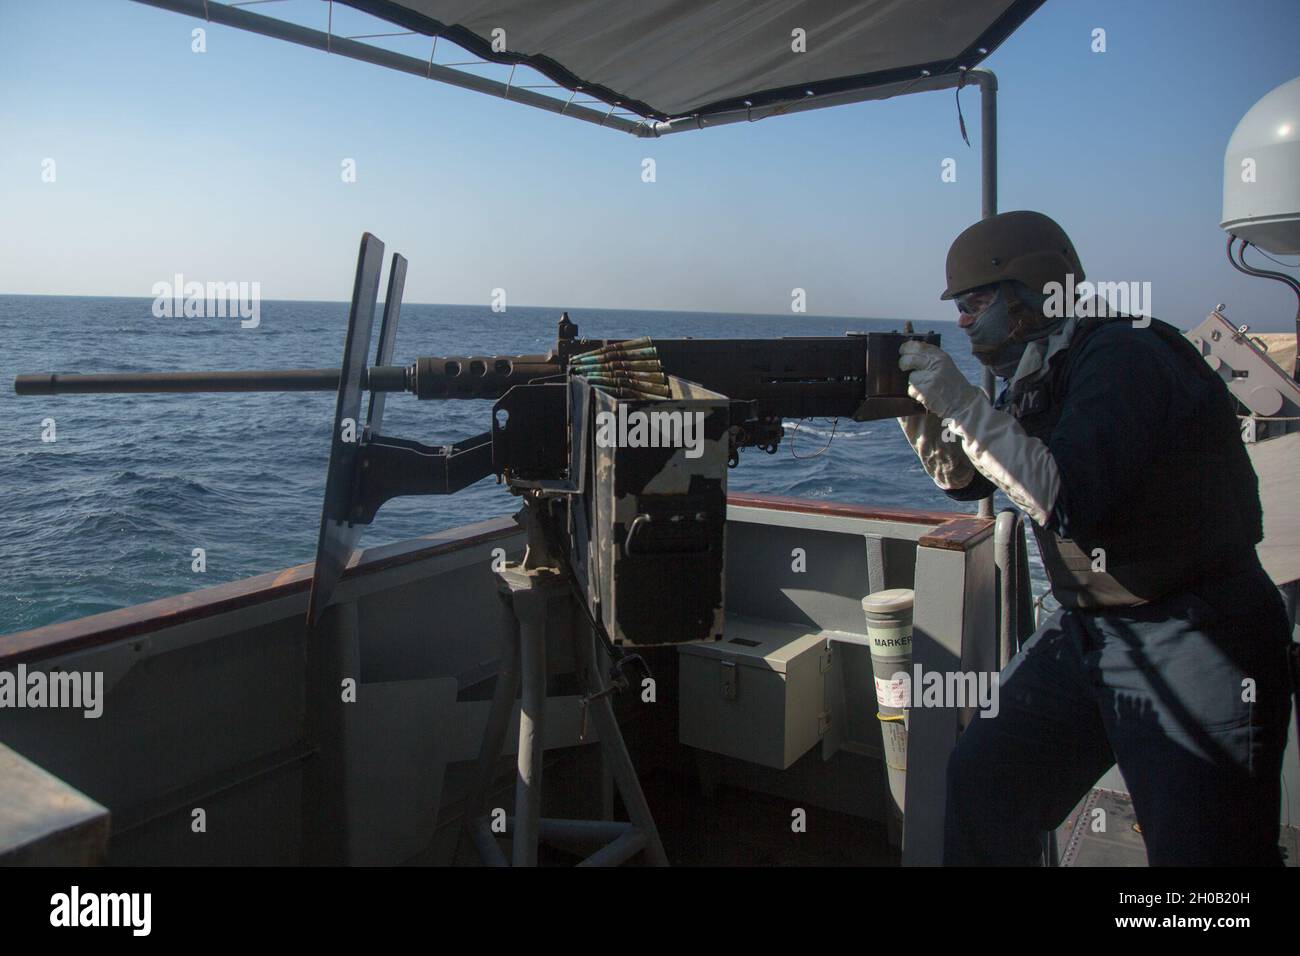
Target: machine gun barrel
(388, 378)
(433, 377)
(479, 376)
(835, 376)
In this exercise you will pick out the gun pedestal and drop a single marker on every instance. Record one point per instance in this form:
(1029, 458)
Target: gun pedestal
(529, 592)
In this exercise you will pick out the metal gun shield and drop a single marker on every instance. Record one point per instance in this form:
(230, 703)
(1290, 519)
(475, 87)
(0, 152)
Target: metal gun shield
(338, 536)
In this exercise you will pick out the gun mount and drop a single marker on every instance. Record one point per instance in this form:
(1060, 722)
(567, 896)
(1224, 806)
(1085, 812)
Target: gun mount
(619, 448)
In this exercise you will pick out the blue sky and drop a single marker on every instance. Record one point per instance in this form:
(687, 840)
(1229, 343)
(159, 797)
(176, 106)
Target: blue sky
(226, 166)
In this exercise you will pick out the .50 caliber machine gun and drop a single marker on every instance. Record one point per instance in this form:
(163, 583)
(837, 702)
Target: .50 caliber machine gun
(620, 447)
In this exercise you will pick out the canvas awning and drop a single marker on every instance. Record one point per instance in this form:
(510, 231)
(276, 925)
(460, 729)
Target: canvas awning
(651, 67)
(670, 58)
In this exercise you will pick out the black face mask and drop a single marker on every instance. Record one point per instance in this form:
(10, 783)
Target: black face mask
(998, 339)
(991, 337)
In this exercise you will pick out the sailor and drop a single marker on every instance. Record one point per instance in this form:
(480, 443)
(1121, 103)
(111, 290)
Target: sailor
(1168, 655)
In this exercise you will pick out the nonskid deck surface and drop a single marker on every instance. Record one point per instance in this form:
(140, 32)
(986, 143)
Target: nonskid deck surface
(1120, 843)
(736, 827)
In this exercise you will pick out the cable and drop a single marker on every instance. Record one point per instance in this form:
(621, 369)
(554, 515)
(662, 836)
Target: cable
(1241, 265)
(834, 425)
(961, 120)
(1285, 265)
(1244, 266)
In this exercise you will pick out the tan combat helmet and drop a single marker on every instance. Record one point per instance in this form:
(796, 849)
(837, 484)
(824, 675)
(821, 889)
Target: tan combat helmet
(1025, 246)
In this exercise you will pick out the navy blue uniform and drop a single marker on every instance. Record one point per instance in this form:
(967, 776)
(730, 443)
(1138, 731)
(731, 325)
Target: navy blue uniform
(1172, 658)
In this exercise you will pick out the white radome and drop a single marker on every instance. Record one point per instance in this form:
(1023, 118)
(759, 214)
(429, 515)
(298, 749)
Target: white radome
(1261, 173)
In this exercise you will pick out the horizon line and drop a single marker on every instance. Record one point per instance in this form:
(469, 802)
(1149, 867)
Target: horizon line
(572, 308)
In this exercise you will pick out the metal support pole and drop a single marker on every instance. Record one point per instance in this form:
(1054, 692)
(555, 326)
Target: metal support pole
(530, 606)
(332, 655)
(616, 758)
(620, 851)
(1006, 542)
(988, 84)
(494, 736)
(527, 593)
(230, 15)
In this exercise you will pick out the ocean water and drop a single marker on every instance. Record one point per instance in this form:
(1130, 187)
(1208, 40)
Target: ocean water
(108, 514)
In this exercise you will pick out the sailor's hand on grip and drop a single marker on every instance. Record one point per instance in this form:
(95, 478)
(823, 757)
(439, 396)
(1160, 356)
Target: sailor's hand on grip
(939, 449)
(994, 442)
(934, 379)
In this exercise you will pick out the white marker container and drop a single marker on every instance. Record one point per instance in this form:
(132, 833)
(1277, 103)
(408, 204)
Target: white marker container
(889, 628)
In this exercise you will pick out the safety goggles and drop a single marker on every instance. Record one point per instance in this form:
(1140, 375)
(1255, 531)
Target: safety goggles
(977, 300)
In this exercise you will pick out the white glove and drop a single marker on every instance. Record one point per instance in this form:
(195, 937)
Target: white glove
(994, 442)
(944, 461)
(935, 381)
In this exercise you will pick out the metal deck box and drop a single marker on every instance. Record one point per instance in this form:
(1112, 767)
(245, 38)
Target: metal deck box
(760, 694)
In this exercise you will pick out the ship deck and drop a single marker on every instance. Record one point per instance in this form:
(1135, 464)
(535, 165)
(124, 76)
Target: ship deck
(215, 701)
